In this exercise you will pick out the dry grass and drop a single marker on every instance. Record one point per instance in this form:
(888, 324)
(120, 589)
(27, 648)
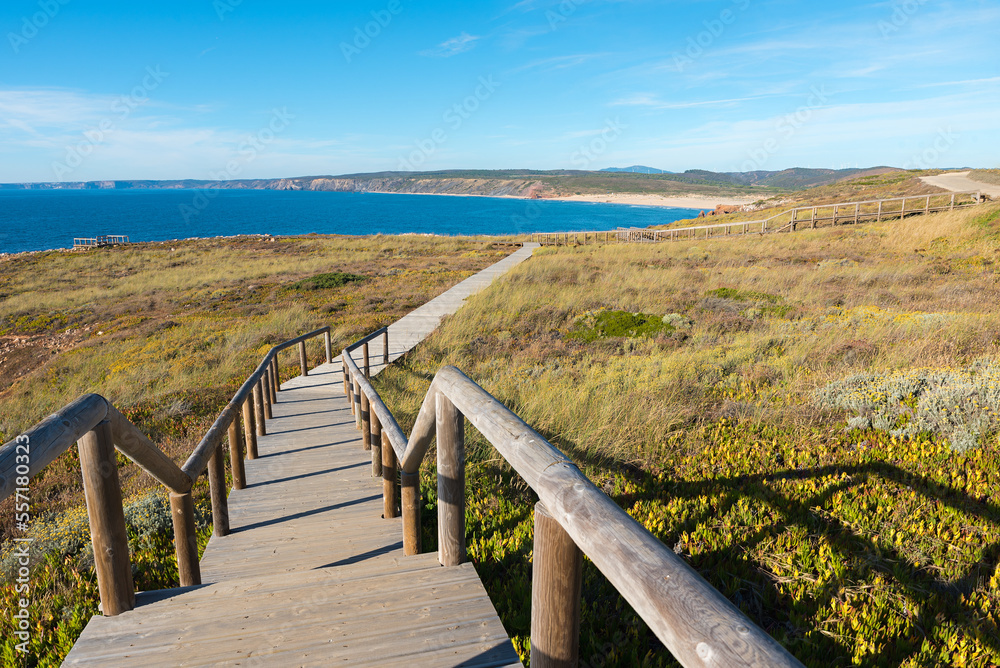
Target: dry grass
(168, 331)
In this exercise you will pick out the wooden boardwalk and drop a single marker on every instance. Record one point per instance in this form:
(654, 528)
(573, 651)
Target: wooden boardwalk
(311, 574)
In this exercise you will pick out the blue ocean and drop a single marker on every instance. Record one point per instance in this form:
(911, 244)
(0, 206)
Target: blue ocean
(46, 219)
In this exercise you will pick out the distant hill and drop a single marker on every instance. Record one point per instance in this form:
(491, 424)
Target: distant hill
(517, 182)
(795, 178)
(636, 169)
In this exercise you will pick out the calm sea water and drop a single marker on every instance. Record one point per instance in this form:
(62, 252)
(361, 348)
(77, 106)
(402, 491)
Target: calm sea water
(43, 220)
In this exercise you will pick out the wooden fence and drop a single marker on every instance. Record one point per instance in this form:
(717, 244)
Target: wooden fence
(790, 220)
(83, 243)
(99, 428)
(573, 517)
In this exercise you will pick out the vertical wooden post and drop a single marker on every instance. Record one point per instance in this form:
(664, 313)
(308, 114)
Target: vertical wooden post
(451, 482)
(385, 346)
(952, 205)
(376, 443)
(350, 394)
(366, 422)
(236, 454)
(185, 540)
(409, 484)
(857, 208)
(368, 370)
(108, 534)
(902, 209)
(343, 368)
(303, 364)
(277, 373)
(273, 381)
(389, 498)
(878, 216)
(328, 346)
(927, 205)
(258, 404)
(265, 381)
(217, 487)
(357, 404)
(556, 577)
(249, 430)
(813, 218)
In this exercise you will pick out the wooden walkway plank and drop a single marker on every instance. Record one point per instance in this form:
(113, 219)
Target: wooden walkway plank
(311, 574)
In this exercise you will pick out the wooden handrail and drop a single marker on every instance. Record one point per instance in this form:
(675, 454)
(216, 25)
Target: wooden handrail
(694, 621)
(97, 427)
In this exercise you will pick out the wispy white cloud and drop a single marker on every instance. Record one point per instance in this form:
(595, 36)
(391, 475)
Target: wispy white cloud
(453, 47)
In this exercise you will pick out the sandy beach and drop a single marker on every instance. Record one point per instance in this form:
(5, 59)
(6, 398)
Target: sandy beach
(678, 201)
(681, 201)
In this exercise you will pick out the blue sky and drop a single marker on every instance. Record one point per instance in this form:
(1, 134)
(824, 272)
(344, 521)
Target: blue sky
(94, 90)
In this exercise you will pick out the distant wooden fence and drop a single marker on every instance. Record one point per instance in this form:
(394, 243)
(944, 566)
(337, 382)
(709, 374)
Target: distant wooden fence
(99, 428)
(83, 243)
(573, 517)
(790, 220)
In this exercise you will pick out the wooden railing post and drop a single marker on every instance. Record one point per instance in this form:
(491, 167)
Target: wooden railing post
(328, 346)
(366, 422)
(409, 485)
(368, 371)
(385, 346)
(108, 534)
(357, 404)
(389, 498)
(236, 454)
(303, 364)
(376, 443)
(258, 404)
(266, 392)
(556, 578)
(347, 388)
(273, 376)
(185, 539)
(450, 482)
(277, 373)
(249, 430)
(350, 394)
(217, 487)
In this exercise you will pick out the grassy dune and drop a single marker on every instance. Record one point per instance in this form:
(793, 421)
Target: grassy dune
(168, 332)
(813, 429)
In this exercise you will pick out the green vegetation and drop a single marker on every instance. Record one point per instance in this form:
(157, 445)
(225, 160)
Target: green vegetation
(604, 324)
(852, 542)
(168, 332)
(337, 279)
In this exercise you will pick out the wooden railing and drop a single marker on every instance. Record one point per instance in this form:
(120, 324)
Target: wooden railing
(573, 517)
(811, 217)
(103, 240)
(785, 221)
(99, 428)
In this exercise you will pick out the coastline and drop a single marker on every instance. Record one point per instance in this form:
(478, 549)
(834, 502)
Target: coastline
(633, 199)
(673, 201)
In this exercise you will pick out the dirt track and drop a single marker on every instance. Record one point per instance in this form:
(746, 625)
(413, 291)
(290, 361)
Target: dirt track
(960, 181)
